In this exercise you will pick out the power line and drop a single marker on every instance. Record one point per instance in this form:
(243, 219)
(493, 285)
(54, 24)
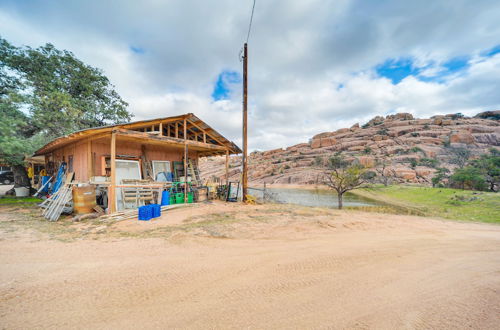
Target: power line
(251, 18)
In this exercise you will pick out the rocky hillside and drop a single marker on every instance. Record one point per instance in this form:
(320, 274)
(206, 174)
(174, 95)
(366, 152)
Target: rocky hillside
(411, 148)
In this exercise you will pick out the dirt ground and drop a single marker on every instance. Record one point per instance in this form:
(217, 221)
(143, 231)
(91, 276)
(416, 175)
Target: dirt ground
(234, 266)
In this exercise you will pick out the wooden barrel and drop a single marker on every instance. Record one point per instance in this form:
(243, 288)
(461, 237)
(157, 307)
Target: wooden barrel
(84, 199)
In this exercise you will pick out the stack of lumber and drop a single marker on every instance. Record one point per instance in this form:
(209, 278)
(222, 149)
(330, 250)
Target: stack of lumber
(54, 206)
(129, 214)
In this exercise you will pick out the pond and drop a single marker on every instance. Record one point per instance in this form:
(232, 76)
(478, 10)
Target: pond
(313, 197)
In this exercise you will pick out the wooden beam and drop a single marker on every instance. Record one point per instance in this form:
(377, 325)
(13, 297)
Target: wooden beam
(165, 140)
(112, 192)
(185, 161)
(204, 137)
(161, 129)
(185, 130)
(89, 160)
(185, 171)
(168, 130)
(205, 131)
(176, 130)
(227, 166)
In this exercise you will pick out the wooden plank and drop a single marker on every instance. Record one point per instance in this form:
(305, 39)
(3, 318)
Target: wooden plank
(227, 166)
(153, 138)
(185, 162)
(111, 189)
(205, 131)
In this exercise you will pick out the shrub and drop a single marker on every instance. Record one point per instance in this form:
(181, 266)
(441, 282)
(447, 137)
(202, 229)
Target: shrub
(457, 116)
(429, 162)
(382, 131)
(368, 150)
(318, 161)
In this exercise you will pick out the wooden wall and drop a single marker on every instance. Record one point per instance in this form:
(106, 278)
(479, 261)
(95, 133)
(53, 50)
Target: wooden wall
(102, 148)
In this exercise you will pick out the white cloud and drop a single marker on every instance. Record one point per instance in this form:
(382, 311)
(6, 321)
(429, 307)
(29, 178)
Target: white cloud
(311, 62)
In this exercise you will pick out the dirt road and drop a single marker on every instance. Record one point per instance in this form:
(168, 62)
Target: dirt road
(253, 267)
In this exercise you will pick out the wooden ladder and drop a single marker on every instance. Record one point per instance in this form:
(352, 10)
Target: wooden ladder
(195, 173)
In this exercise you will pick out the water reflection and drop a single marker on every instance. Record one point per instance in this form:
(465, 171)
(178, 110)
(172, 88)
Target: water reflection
(316, 197)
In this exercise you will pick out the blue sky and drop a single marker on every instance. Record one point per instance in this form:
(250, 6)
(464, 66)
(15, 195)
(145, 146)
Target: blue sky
(224, 85)
(314, 65)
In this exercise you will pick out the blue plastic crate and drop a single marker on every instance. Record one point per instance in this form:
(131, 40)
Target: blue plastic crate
(145, 212)
(156, 210)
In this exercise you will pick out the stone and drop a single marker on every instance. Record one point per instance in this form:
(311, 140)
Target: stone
(490, 139)
(316, 143)
(461, 137)
(367, 161)
(327, 142)
(400, 116)
(406, 174)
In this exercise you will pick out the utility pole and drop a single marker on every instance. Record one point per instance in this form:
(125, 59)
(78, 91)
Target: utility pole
(244, 177)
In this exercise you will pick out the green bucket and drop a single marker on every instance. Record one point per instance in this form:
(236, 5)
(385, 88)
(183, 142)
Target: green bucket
(179, 198)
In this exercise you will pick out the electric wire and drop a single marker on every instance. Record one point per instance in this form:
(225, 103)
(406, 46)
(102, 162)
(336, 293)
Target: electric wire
(251, 19)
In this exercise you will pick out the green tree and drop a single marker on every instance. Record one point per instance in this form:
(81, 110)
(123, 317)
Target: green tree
(46, 93)
(440, 174)
(469, 177)
(343, 176)
(489, 165)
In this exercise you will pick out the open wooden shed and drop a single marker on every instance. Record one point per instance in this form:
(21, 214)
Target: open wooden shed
(172, 144)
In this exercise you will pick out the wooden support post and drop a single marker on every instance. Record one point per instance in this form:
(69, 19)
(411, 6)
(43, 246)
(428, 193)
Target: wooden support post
(112, 188)
(204, 137)
(90, 173)
(185, 162)
(161, 129)
(168, 130)
(176, 130)
(227, 166)
(244, 176)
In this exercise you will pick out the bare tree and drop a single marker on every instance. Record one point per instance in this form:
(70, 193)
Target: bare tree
(460, 156)
(343, 176)
(383, 171)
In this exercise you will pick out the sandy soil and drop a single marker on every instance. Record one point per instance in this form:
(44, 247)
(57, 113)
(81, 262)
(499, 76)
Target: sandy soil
(234, 266)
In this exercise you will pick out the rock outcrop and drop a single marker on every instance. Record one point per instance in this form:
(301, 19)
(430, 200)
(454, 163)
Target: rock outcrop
(411, 148)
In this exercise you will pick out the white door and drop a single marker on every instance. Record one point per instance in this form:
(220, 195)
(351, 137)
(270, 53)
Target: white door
(125, 169)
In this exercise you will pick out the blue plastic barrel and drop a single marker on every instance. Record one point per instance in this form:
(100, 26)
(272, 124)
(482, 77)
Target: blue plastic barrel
(145, 212)
(156, 210)
(165, 198)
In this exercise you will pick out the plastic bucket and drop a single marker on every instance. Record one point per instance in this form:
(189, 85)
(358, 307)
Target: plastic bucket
(22, 192)
(165, 198)
(179, 198)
